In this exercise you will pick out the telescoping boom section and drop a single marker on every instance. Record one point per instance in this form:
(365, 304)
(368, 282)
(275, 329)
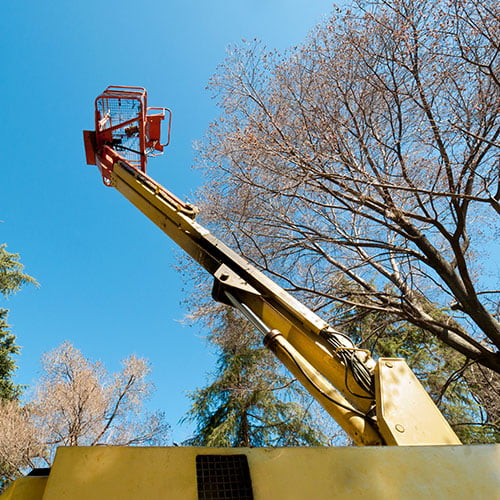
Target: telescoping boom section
(375, 402)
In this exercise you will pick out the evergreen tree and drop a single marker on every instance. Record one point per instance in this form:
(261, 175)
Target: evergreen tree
(249, 403)
(12, 278)
(8, 348)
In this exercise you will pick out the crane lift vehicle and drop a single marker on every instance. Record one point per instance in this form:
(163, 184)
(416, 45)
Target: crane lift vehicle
(408, 449)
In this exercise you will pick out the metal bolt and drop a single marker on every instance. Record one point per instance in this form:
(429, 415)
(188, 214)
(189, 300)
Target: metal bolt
(389, 365)
(400, 428)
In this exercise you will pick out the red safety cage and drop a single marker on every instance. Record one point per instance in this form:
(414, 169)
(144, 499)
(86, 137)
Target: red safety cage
(125, 124)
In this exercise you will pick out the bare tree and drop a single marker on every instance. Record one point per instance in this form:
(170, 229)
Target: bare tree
(19, 444)
(77, 403)
(370, 155)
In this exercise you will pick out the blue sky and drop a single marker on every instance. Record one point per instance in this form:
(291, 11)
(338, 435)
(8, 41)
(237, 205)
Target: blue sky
(106, 275)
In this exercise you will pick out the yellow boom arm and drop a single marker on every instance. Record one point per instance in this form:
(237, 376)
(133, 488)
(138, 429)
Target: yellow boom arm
(374, 402)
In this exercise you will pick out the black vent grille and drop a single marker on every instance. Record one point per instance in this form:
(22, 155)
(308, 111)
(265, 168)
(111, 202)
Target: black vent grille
(223, 477)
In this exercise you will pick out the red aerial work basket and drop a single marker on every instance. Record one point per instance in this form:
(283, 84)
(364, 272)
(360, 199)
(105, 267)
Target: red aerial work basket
(125, 124)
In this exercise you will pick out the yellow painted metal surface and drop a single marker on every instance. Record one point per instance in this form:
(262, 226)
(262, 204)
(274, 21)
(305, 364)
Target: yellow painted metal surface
(357, 427)
(437, 472)
(26, 488)
(406, 414)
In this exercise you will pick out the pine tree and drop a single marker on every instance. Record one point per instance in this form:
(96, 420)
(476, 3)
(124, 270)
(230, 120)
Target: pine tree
(8, 348)
(12, 279)
(249, 402)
